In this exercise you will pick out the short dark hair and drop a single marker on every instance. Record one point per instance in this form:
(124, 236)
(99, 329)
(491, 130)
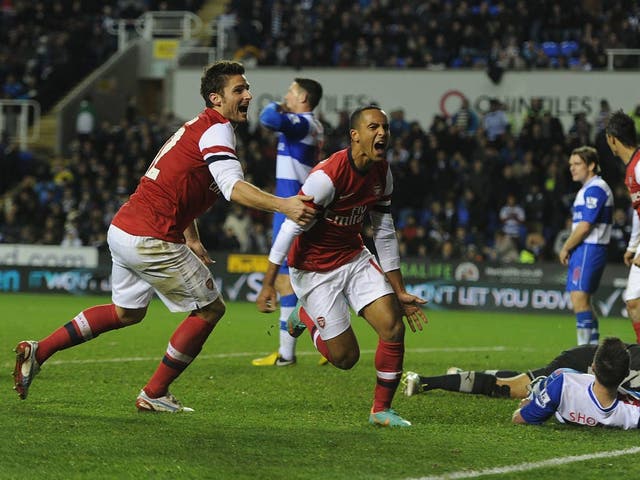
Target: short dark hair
(611, 362)
(589, 155)
(622, 127)
(355, 116)
(215, 76)
(313, 89)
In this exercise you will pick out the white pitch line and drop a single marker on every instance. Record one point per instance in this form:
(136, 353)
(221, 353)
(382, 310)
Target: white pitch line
(525, 467)
(497, 348)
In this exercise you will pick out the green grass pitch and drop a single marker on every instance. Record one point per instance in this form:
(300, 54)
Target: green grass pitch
(300, 422)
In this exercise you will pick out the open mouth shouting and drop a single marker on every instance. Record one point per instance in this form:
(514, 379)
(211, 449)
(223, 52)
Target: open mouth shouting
(379, 147)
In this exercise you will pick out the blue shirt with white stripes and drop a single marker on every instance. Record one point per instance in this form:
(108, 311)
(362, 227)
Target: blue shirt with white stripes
(594, 204)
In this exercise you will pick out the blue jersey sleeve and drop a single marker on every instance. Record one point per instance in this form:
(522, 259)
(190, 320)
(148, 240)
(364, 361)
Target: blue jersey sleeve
(293, 126)
(595, 199)
(545, 399)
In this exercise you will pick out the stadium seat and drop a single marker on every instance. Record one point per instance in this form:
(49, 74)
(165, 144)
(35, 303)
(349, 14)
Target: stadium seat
(551, 49)
(574, 62)
(569, 48)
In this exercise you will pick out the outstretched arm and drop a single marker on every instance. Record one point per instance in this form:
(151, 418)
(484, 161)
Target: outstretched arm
(249, 195)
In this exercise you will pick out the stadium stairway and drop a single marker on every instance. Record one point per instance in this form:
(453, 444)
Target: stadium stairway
(46, 142)
(209, 10)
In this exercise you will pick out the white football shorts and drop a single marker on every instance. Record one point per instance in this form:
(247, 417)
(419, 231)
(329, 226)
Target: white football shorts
(142, 265)
(326, 296)
(633, 283)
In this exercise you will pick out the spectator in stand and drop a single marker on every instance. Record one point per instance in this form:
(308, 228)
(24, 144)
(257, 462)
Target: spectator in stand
(603, 116)
(239, 223)
(579, 132)
(620, 235)
(512, 219)
(495, 123)
(465, 119)
(503, 250)
(398, 124)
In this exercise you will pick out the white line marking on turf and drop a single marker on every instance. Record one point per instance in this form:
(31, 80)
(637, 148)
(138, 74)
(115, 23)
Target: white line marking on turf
(525, 467)
(497, 348)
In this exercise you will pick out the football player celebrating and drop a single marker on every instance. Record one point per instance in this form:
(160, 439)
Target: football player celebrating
(331, 269)
(155, 246)
(622, 140)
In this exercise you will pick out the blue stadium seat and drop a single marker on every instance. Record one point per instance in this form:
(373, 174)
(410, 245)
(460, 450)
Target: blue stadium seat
(569, 48)
(551, 49)
(573, 62)
(456, 63)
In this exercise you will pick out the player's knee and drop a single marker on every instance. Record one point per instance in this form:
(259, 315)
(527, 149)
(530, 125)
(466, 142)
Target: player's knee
(633, 308)
(129, 316)
(394, 332)
(213, 312)
(346, 363)
(347, 360)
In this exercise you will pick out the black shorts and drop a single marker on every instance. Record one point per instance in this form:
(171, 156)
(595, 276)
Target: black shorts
(578, 358)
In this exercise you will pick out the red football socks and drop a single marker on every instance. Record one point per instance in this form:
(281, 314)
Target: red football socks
(184, 345)
(636, 327)
(388, 362)
(86, 325)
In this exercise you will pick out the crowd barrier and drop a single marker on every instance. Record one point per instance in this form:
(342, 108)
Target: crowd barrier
(446, 285)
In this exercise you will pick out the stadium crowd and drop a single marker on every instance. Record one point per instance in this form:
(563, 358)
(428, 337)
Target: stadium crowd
(507, 34)
(46, 47)
(445, 202)
(453, 162)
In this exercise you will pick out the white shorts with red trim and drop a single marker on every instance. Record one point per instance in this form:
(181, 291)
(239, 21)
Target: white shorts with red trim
(144, 265)
(633, 283)
(327, 296)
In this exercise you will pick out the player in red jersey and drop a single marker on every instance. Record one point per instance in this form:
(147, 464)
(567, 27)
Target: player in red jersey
(622, 140)
(154, 240)
(331, 269)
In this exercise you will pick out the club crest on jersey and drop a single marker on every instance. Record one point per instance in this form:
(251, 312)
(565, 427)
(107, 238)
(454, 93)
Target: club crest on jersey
(377, 190)
(209, 284)
(321, 322)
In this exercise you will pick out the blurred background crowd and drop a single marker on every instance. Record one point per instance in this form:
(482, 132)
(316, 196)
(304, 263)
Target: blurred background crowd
(478, 186)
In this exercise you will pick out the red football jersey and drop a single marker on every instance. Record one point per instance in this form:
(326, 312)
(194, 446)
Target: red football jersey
(178, 186)
(632, 181)
(343, 200)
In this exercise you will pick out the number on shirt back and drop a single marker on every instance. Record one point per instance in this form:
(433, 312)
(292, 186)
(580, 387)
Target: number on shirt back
(153, 171)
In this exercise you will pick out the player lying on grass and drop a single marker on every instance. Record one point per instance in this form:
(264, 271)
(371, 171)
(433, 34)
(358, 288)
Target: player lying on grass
(514, 384)
(582, 398)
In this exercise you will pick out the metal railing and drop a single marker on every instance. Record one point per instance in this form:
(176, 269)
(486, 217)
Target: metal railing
(613, 52)
(195, 56)
(171, 24)
(15, 118)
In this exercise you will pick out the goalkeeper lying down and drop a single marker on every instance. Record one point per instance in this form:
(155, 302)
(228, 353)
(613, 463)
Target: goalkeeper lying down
(513, 384)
